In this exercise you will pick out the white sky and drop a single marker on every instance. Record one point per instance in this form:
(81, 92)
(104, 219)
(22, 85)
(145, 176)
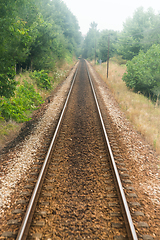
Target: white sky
(108, 14)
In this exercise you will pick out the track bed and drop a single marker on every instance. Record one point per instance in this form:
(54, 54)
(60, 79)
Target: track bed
(78, 198)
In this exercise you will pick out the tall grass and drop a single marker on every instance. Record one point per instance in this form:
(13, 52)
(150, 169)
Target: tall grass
(140, 111)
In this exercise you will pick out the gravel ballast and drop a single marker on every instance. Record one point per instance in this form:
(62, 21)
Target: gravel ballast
(140, 159)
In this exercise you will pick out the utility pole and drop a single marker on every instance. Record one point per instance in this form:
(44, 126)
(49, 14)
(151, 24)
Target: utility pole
(108, 55)
(95, 50)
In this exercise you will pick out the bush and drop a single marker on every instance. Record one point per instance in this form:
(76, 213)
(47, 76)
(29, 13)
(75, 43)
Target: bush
(25, 99)
(143, 73)
(42, 79)
(10, 110)
(7, 82)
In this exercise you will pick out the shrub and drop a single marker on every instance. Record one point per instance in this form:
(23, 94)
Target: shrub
(10, 110)
(143, 72)
(25, 99)
(42, 79)
(7, 82)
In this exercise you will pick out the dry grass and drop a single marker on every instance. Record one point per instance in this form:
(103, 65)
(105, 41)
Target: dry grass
(8, 131)
(143, 114)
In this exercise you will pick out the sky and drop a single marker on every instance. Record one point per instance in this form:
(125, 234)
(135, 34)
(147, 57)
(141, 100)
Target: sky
(108, 14)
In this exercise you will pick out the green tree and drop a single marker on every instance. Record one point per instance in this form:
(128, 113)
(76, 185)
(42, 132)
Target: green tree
(143, 72)
(58, 35)
(103, 44)
(15, 41)
(138, 33)
(36, 33)
(7, 73)
(90, 42)
(69, 25)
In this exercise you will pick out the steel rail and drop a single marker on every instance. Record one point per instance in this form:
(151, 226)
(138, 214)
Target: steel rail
(125, 209)
(23, 232)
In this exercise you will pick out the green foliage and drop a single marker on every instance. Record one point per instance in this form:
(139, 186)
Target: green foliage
(90, 42)
(103, 44)
(69, 58)
(118, 59)
(15, 42)
(42, 79)
(143, 72)
(96, 43)
(69, 24)
(58, 34)
(7, 82)
(10, 110)
(34, 34)
(25, 99)
(27, 96)
(139, 33)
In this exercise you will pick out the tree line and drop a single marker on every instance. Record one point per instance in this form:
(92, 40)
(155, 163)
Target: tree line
(34, 34)
(138, 43)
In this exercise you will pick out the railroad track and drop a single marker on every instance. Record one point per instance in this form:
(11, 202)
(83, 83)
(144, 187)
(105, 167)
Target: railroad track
(78, 193)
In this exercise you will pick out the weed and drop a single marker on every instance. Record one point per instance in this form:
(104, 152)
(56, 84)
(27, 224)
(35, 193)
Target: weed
(25, 99)
(42, 79)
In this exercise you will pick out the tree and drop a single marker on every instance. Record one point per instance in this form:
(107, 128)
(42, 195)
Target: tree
(16, 38)
(58, 35)
(103, 44)
(35, 34)
(90, 42)
(7, 82)
(143, 72)
(138, 33)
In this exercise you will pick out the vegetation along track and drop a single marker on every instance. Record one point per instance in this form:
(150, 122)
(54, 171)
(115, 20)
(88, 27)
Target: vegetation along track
(80, 195)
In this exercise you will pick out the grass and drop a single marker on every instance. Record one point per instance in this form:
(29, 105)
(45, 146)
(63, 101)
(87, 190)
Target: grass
(140, 111)
(8, 130)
